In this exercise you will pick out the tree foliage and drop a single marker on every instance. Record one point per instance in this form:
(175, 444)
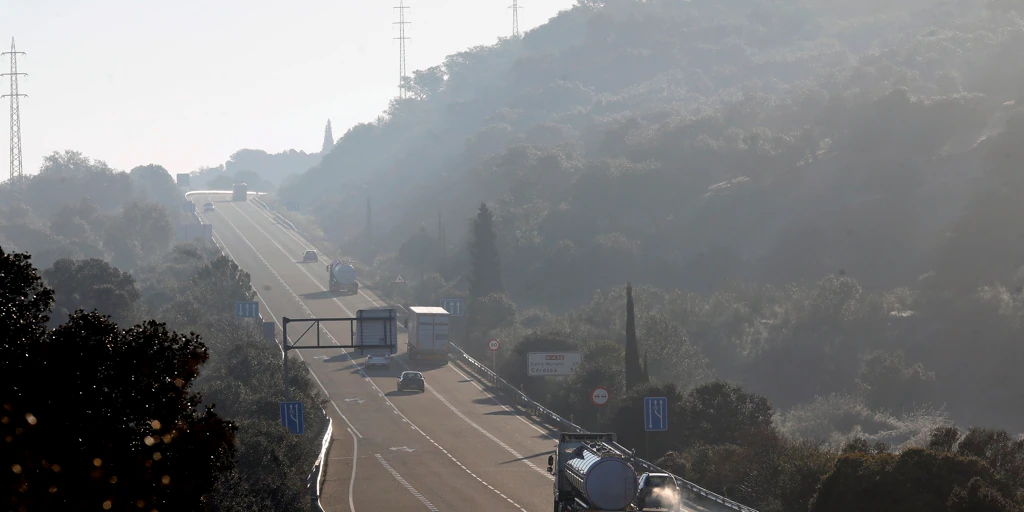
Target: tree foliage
(126, 397)
(485, 274)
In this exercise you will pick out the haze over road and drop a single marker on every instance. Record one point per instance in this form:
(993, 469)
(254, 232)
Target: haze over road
(453, 447)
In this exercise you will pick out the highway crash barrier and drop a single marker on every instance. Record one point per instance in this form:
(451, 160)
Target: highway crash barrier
(538, 410)
(315, 479)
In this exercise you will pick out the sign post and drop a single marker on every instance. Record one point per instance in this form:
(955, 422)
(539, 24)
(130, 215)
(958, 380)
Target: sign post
(291, 417)
(493, 347)
(655, 418)
(599, 396)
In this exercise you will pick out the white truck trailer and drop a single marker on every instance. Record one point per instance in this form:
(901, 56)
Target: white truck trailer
(428, 334)
(377, 326)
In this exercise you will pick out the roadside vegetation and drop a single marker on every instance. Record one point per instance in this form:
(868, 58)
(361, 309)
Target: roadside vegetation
(103, 264)
(817, 205)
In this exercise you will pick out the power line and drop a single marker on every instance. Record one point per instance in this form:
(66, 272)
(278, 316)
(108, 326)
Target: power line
(16, 172)
(515, 17)
(401, 46)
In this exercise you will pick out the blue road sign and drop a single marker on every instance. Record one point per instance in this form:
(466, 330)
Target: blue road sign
(247, 309)
(189, 207)
(655, 414)
(453, 306)
(293, 206)
(291, 417)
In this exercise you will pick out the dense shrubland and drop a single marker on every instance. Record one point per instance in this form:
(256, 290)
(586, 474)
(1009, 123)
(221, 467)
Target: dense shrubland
(104, 240)
(819, 202)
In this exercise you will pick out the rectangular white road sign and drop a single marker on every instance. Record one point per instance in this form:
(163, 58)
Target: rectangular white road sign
(552, 364)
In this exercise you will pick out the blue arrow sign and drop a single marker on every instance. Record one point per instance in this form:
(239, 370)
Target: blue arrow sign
(293, 206)
(291, 417)
(247, 309)
(189, 207)
(655, 414)
(453, 306)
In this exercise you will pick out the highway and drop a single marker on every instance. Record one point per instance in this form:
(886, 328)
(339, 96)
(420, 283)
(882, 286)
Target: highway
(452, 448)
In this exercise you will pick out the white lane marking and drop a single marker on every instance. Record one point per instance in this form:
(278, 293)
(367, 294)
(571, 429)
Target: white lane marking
(478, 427)
(488, 434)
(515, 413)
(359, 368)
(265, 306)
(405, 484)
(305, 245)
(355, 458)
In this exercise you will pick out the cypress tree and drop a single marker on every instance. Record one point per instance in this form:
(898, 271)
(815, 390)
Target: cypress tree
(634, 370)
(485, 274)
(328, 139)
(647, 370)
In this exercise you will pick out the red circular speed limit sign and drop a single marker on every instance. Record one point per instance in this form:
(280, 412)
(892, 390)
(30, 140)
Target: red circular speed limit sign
(493, 345)
(599, 396)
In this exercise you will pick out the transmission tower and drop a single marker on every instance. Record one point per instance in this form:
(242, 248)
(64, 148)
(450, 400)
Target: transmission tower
(16, 174)
(515, 17)
(401, 46)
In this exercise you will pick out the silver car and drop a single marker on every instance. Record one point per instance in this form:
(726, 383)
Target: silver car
(378, 361)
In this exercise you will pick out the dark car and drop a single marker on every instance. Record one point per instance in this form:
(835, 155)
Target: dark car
(310, 256)
(208, 207)
(411, 380)
(658, 491)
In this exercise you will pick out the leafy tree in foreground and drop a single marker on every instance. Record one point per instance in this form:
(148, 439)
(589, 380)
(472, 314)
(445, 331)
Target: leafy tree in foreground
(92, 284)
(915, 480)
(121, 432)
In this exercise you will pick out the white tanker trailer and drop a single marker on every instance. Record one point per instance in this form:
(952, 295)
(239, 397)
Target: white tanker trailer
(592, 473)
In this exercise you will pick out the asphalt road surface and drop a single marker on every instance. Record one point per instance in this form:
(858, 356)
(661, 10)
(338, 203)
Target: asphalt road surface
(452, 448)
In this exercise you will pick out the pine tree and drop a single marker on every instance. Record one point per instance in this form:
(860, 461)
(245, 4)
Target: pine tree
(634, 370)
(485, 275)
(328, 139)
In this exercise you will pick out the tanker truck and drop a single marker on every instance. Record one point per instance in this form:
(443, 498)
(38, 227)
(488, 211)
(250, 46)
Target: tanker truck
(341, 276)
(592, 473)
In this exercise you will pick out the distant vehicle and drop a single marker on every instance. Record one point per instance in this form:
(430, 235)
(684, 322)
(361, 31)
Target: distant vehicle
(240, 192)
(342, 277)
(658, 491)
(411, 380)
(310, 257)
(378, 361)
(428, 333)
(208, 207)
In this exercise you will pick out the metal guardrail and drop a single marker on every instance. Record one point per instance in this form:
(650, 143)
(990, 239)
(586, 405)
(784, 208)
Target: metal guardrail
(315, 479)
(539, 410)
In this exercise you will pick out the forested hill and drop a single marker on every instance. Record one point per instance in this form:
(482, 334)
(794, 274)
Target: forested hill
(689, 143)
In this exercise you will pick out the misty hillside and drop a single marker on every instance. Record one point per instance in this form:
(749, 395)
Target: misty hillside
(685, 144)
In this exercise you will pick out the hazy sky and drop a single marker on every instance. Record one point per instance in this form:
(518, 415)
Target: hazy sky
(186, 83)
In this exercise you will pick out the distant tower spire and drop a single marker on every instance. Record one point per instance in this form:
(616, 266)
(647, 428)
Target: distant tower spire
(401, 46)
(328, 139)
(16, 171)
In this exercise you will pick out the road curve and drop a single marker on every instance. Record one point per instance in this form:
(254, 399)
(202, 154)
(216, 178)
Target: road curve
(452, 448)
